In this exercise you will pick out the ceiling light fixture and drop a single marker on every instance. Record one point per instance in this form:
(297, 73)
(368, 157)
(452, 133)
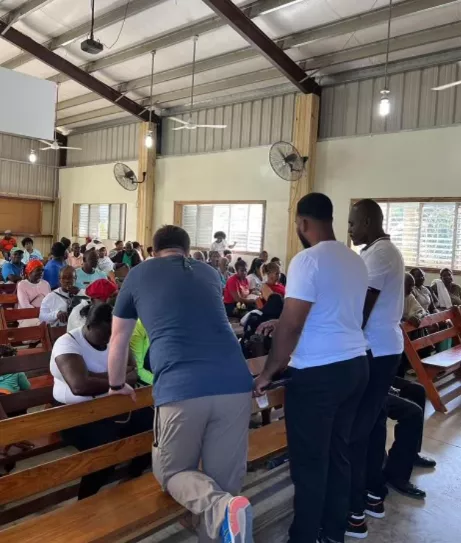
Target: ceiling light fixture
(271, 10)
(385, 103)
(33, 157)
(149, 140)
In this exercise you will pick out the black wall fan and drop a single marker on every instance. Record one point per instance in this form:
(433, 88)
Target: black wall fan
(126, 177)
(286, 161)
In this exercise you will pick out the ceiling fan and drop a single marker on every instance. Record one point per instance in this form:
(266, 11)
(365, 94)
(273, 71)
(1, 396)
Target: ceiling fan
(54, 145)
(189, 123)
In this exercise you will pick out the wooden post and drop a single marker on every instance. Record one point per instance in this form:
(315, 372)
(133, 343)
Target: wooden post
(146, 190)
(305, 128)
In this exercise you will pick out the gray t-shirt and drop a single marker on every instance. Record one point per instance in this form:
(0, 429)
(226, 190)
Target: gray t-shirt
(193, 350)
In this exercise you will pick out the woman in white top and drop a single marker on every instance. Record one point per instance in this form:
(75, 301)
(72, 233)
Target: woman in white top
(255, 276)
(79, 364)
(56, 305)
(105, 264)
(220, 243)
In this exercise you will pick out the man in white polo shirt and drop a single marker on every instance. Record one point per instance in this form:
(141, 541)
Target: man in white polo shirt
(381, 320)
(321, 330)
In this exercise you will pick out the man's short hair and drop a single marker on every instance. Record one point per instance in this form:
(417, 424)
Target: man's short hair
(171, 237)
(317, 206)
(58, 250)
(370, 209)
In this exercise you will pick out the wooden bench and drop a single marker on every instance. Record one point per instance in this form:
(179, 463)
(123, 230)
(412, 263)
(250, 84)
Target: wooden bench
(122, 513)
(10, 316)
(8, 300)
(430, 370)
(32, 334)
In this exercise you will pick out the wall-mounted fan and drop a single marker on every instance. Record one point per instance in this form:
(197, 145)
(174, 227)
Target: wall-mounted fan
(286, 161)
(126, 177)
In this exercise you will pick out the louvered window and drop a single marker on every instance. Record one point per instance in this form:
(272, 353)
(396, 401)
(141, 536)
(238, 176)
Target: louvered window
(104, 221)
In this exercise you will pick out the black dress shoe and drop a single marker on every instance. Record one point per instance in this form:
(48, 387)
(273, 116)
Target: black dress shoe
(407, 489)
(424, 462)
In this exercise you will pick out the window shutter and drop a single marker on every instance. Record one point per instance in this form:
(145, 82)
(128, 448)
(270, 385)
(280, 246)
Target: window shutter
(255, 228)
(189, 223)
(436, 240)
(238, 225)
(103, 225)
(114, 221)
(403, 227)
(83, 220)
(204, 226)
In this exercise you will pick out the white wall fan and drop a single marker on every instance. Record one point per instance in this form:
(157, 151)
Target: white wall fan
(189, 123)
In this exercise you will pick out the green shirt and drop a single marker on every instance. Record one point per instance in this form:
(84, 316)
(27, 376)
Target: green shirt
(14, 382)
(139, 345)
(126, 259)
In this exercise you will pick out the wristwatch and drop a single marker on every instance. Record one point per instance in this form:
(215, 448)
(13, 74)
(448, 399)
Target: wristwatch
(116, 387)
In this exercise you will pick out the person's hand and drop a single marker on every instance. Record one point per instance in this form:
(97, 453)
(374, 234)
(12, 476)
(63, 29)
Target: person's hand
(62, 316)
(127, 390)
(267, 328)
(260, 384)
(414, 321)
(23, 445)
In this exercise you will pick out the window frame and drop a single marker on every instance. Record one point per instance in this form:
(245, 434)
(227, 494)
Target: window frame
(425, 200)
(76, 217)
(177, 219)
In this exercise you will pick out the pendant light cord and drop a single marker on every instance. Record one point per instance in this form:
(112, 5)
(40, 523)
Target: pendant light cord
(386, 75)
(151, 89)
(195, 38)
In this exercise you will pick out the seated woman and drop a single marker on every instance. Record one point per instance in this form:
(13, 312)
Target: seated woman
(272, 285)
(283, 277)
(139, 345)
(98, 292)
(213, 259)
(255, 276)
(29, 252)
(13, 271)
(424, 295)
(237, 289)
(57, 305)
(223, 269)
(89, 272)
(413, 312)
(75, 258)
(32, 290)
(79, 363)
(198, 255)
(447, 292)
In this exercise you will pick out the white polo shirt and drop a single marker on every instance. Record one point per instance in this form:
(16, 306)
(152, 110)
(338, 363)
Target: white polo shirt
(386, 273)
(334, 279)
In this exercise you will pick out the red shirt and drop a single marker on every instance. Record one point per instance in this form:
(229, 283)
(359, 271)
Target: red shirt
(278, 288)
(235, 284)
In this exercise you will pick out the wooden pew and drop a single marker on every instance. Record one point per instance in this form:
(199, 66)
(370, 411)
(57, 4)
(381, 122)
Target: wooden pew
(8, 300)
(55, 332)
(121, 513)
(432, 369)
(34, 334)
(9, 316)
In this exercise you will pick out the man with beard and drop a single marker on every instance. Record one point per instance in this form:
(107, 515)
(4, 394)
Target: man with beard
(381, 323)
(321, 330)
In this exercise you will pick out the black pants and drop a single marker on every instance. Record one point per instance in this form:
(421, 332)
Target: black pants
(106, 431)
(382, 371)
(408, 410)
(320, 407)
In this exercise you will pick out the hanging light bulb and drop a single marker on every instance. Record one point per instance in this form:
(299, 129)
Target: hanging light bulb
(384, 103)
(149, 141)
(33, 157)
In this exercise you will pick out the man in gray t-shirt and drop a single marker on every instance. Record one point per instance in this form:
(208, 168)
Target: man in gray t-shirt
(202, 385)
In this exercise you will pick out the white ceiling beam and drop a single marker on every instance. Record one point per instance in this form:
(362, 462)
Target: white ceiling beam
(27, 8)
(344, 26)
(102, 21)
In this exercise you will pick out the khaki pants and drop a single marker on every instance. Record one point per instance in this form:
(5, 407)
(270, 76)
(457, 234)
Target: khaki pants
(212, 430)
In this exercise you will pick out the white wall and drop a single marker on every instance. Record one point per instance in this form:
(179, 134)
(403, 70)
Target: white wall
(422, 163)
(94, 185)
(243, 174)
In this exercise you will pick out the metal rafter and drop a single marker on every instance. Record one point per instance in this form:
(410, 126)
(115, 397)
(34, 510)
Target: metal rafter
(350, 24)
(261, 42)
(102, 21)
(58, 63)
(172, 37)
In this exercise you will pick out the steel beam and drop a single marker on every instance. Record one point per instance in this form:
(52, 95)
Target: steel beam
(350, 24)
(173, 37)
(250, 32)
(59, 63)
(102, 21)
